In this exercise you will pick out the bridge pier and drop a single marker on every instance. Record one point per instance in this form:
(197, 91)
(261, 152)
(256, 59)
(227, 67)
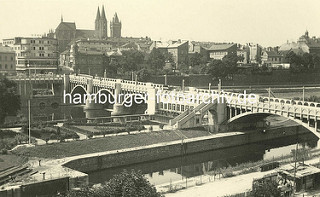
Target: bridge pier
(152, 100)
(118, 108)
(218, 117)
(66, 83)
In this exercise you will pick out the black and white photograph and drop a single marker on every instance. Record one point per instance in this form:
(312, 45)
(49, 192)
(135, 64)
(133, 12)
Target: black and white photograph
(159, 98)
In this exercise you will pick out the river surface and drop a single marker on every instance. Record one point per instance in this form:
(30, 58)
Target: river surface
(178, 168)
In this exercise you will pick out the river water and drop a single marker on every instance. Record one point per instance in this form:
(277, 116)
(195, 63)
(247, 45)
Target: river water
(178, 168)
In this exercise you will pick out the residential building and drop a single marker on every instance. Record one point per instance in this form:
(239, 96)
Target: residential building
(88, 57)
(7, 61)
(218, 51)
(34, 54)
(179, 50)
(200, 48)
(272, 56)
(305, 44)
(244, 53)
(255, 52)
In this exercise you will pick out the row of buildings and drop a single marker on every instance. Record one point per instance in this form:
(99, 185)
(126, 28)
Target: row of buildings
(89, 51)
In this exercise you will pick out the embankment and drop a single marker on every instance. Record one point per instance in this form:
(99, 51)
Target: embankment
(116, 158)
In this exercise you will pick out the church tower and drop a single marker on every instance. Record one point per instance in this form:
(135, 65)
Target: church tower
(115, 27)
(96, 23)
(101, 24)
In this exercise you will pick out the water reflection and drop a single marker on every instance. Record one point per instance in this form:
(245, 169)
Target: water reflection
(177, 168)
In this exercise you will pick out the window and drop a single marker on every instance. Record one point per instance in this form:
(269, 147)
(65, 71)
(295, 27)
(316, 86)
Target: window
(0, 66)
(11, 66)
(5, 66)
(5, 57)
(11, 58)
(34, 48)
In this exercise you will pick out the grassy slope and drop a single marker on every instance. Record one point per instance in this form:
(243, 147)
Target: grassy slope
(66, 149)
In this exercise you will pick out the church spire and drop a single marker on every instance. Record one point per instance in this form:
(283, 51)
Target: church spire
(103, 14)
(115, 18)
(98, 14)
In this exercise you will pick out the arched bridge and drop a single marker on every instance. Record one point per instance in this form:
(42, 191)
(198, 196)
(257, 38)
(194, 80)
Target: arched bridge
(232, 107)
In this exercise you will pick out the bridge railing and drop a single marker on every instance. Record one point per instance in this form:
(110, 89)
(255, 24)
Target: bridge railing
(140, 86)
(35, 77)
(275, 106)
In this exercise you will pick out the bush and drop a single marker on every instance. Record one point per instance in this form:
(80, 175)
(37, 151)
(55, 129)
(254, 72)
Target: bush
(4, 151)
(125, 184)
(89, 135)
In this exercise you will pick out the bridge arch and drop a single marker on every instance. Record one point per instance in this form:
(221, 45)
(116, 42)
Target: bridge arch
(265, 114)
(78, 89)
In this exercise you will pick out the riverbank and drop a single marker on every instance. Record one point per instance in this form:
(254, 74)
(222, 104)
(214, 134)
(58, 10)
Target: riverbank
(58, 162)
(236, 185)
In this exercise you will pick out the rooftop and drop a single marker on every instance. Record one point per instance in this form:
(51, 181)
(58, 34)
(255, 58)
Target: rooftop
(216, 47)
(302, 170)
(5, 49)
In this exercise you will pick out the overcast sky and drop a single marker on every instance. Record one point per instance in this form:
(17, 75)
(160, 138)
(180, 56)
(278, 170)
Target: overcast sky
(268, 22)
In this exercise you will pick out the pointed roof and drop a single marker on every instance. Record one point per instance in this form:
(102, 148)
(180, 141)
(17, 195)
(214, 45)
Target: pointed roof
(115, 18)
(103, 14)
(98, 14)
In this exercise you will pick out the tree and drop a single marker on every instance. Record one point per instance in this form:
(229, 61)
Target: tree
(266, 187)
(125, 184)
(9, 99)
(130, 60)
(156, 60)
(225, 67)
(217, 69)
(144, 74)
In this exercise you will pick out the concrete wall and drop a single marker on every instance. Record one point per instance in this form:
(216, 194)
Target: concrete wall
(166, 150)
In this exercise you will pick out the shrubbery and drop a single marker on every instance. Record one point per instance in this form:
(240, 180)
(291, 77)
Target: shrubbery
(105, 130)
(46, 132)
(126, 184)
(9, 139)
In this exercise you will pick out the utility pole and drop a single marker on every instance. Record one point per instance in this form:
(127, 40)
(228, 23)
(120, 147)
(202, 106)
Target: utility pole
(303, 93)
(29, 110)
(295, 168)
(269, 94)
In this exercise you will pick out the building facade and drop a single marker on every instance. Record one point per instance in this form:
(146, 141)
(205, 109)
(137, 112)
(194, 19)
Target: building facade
(244, 53)
(7, 61)
(271, 57)
(305, 44)
(34, 54)
(67, 32)
(218, 51)
(255, 52)
(179, 50)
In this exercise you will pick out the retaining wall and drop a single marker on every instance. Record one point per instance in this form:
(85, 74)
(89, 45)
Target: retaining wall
(109, 159)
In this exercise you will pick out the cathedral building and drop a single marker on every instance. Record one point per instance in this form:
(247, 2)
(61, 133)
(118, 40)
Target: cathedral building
(67, 32)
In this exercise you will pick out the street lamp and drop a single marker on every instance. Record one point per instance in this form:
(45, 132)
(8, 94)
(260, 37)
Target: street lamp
(29, 105)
